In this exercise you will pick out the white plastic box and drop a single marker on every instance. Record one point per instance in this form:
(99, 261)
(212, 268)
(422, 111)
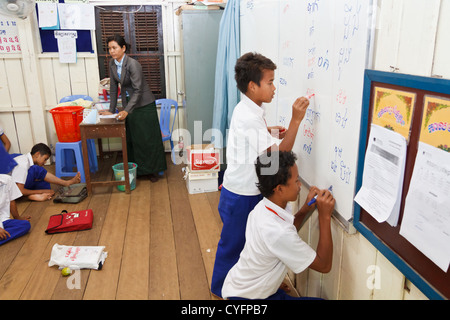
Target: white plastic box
(201, 182)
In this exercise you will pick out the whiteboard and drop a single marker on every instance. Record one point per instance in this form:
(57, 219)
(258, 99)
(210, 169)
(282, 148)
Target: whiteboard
(320, 47)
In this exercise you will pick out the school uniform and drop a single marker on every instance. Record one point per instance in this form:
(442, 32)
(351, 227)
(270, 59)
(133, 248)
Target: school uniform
(30, 175)
(272, 247)
(9, 192)
(248, 137)
(144, 140)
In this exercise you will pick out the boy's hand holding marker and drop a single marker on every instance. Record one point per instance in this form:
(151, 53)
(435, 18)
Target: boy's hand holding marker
(313, 200)
(299, 108)
(298, 113)
(323, 198)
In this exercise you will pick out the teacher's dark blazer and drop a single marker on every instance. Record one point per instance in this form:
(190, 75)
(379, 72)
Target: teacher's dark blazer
(132, 81)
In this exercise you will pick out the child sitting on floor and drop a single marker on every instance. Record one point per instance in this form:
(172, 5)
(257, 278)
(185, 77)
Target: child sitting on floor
(18, 226)
(33, 179)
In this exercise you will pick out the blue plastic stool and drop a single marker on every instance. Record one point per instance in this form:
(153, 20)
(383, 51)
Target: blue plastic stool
(69, 157)
(60, 159)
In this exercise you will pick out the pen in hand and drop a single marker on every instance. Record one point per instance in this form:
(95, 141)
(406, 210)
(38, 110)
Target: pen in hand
(313, 200)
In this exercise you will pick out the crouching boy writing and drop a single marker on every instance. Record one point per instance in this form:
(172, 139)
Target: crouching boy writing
(272, 243)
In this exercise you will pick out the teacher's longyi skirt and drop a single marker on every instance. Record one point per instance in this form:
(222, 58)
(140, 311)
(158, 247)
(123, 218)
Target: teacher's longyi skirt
(144, 140)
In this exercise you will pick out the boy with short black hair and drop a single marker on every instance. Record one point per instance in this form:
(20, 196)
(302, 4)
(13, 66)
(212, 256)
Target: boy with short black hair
(33, 179)
(272, 242)
(248, 137)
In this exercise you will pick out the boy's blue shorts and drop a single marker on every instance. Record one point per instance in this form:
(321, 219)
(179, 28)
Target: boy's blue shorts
(234, 210)
(279, 295)
(16, 228)
(35, 178)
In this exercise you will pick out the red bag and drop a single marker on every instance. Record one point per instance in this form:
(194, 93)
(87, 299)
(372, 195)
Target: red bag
(72, 221)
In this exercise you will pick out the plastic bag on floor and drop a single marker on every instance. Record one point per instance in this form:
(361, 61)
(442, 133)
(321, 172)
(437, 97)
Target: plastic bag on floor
(79, 257)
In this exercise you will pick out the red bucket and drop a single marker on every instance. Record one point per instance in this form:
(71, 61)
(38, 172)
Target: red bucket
(67, 122)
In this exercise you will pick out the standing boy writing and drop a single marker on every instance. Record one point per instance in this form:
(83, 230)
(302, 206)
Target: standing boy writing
(32, 178)
(248, 137)
(272, 242)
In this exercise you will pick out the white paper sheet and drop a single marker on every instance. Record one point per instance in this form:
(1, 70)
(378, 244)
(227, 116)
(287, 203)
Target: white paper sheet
(384, 168)
(108, 116)
(48, 14)
(426, 217)
(67, 46)
(76, 16)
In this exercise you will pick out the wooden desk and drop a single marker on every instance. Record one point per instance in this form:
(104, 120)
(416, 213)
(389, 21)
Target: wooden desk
(107, 128)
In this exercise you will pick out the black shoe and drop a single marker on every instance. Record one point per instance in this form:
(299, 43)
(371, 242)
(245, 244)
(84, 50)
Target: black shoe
(153, 177)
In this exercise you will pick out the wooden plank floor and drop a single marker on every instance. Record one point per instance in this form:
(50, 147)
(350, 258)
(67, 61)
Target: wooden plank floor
(161, 244)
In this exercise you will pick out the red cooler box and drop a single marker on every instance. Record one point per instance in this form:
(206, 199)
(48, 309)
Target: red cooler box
(203, 157)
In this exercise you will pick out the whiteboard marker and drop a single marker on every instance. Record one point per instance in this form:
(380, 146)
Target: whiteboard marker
(310, 96)
(313, 200)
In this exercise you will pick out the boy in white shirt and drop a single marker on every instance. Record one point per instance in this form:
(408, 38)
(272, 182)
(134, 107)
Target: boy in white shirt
(33, 179)
(248, 137)
(272, 242)
(18, 226)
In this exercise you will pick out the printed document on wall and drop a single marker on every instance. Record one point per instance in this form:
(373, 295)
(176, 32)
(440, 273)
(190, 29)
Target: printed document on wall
(384, 168)
(67, 46)
(426, 218)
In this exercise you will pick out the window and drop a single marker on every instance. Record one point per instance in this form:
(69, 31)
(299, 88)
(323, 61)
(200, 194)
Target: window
(142, 28)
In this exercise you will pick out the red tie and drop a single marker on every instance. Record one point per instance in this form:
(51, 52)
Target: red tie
(275, 213)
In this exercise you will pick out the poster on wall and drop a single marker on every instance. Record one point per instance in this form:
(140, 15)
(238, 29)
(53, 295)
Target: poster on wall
(67, 47)
(9, 35)
(74, 16)
(435, 129)
(393, 110)
(426, 219)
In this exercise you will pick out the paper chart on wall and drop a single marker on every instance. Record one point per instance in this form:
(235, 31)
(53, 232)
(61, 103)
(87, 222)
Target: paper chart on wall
(393, 109)
(384, 168)
(9, 35)
(426, 221)
(320, 47)
(436, 122)
(67, 47)
(76, 16)
(48, 14)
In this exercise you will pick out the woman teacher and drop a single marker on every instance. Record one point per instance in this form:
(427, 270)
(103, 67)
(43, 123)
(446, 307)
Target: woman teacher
(144, 141)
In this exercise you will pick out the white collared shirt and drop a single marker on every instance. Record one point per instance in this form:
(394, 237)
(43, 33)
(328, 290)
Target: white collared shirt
(9, 191)
(20, 172)
(119, 66)
(272, 247)
(248, 137)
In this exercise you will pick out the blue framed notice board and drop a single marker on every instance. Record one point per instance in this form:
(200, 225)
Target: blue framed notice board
(421, 271)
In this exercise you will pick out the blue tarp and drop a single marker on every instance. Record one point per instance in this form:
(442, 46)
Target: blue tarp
(226, 94)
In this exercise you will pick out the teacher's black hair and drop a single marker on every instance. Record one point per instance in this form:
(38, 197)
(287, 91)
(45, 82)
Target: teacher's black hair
(120, 41)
